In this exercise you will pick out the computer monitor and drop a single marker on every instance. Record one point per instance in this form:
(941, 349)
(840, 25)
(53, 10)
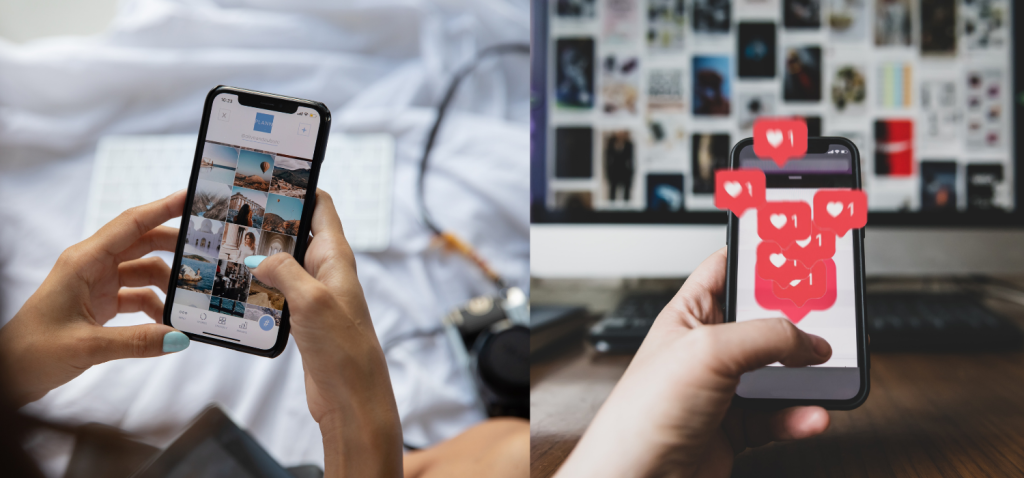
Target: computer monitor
(637, 103)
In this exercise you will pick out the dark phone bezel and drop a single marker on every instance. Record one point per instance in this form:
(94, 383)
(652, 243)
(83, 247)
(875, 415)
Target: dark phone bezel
(267, 101)
(732, 240)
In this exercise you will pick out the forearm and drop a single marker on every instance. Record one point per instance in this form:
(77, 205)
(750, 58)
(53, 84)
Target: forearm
(363, 444)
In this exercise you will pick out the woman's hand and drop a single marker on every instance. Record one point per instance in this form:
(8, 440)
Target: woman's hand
(670, 413)
(59, 333)
(347, 384)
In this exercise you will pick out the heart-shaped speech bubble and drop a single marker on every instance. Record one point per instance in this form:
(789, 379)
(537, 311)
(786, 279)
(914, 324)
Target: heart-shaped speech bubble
(840, 209)
(774, 265)
(784, 221)
(820, 245)
(739, 189)
(765, 297)
(780, 139)
(811, 286)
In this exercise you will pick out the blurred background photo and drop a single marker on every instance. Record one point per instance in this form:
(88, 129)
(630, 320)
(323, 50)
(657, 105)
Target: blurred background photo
(100, 105)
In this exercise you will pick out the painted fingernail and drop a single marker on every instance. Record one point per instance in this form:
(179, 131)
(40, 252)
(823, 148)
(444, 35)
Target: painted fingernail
(253, 262)
(175, 342)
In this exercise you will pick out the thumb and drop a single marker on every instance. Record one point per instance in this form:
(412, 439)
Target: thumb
(282, 272)
(745, 346)
(136, 341)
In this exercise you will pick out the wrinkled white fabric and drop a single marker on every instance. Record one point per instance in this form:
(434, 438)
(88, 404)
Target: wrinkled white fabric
(380, 66)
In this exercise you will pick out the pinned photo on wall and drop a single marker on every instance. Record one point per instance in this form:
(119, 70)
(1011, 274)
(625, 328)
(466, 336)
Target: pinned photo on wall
(254, 170)
(203, 237)
(802, 79)
(291, 177)
(711, 85)
(574, 73)
(211, 200)
(753, 105)
(849, 89)
(709, 153)
(801, 13)
(574, 152)
(666, 138)
(938, 27)
(756, 50)
(939, 111)
(246, 207)
(218, 163)
(575, 9)
(712, 16)
(984, 185)
(666, 26)
(665, 90)
(895, 85)
(894, 147)
(620, 85)
(619, 154)
(665, 192)
(985, 23)
(621, 21)
(984, 114)
(938, 186)
(847, 20)
(574, 201)
(892, 22)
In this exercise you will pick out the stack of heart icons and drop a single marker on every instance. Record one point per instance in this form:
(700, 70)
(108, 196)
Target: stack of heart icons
(794, 270)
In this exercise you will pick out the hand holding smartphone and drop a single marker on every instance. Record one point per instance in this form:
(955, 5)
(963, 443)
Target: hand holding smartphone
(795, 257)
(252, 192)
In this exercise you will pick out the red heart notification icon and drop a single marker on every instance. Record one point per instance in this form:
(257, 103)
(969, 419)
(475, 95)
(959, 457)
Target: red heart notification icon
(812, 286)
(821, 244)
(739, 189)
(766, 298)
(840, 209)
(784, 221)
(774, 265)
(780, 139)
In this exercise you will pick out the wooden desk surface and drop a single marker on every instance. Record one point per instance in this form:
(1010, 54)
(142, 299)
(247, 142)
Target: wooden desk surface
(946, 415)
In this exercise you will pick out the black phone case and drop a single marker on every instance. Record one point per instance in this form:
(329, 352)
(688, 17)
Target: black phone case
(863, 360)
(277, 103)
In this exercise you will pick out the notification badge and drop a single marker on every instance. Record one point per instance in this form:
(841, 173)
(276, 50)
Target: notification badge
(820, 245)
(774, 265)
(784, 222)
(840, 210)
(739, 189)
(766, 298)
(780, 139)
(812, 286)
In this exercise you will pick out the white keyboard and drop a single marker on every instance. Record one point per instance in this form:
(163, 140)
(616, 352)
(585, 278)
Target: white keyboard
(358, 172)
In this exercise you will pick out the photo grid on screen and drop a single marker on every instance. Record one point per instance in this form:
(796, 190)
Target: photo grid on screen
(642, 93)
(247, 202)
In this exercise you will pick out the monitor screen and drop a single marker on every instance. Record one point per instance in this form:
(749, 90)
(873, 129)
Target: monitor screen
(638, 102)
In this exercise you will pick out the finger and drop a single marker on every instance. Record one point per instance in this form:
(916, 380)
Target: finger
(144, 272)
(284, 273)
(338, 264)
(136, 341)
(325, 215)
(163, 238)
(140, 300)
(740, 347)
(129, 226)
(789, 424)
(698, 300)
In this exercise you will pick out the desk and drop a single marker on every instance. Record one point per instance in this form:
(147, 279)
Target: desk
(927, 415)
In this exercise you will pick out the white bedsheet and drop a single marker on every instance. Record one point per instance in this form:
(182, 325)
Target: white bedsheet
(380, 66)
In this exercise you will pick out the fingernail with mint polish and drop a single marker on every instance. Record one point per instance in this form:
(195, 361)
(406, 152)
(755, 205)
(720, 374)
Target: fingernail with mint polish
(253, 262)
(175, 342)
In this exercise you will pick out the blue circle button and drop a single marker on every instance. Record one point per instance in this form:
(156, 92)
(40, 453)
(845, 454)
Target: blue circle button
(266, 322)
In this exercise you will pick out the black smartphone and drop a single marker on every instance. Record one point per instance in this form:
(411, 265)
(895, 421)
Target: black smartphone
(838, 316)
(252, 192)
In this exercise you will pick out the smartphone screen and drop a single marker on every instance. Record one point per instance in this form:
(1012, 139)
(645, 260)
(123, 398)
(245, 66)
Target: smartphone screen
(253, 183)
(835, 316)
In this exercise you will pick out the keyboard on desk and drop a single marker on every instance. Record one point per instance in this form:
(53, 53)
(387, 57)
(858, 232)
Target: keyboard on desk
(895, 322)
